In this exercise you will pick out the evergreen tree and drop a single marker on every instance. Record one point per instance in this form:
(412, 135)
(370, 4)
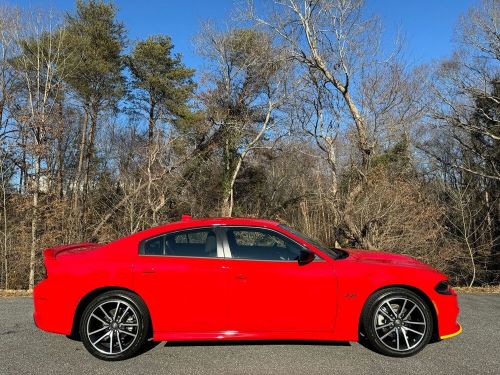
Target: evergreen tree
(95, 44)
(162, 83)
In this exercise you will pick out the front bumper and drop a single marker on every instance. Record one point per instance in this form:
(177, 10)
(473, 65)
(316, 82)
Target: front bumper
(447, 311)
(452, 334)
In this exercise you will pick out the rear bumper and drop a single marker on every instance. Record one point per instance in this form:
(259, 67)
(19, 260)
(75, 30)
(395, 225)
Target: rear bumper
(51, 312)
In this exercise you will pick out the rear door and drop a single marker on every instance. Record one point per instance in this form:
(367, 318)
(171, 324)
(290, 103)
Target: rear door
(182, 278)
(270, 291)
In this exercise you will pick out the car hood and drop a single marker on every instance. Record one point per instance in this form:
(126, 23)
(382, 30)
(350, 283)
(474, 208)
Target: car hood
(381, 257)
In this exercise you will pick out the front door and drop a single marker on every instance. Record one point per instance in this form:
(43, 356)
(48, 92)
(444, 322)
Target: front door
(270, 291)
(182, 278)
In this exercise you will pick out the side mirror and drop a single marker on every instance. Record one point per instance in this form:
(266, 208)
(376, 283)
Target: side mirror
(306, 257)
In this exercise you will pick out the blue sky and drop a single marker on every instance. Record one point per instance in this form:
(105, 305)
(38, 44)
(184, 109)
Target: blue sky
(427, 24)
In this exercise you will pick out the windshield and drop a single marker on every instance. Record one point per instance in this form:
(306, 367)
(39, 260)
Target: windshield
(331, 252)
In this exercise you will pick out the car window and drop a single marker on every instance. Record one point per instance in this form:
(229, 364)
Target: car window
(154, 246)
(261, 244)
(188, 243)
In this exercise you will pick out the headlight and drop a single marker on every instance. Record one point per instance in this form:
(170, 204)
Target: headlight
(444, 287)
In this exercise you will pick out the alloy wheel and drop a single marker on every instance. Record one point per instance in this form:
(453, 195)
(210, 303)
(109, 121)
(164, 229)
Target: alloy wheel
(399, 323)
(112, 327)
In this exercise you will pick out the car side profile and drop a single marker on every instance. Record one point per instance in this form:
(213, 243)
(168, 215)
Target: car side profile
(239, 279)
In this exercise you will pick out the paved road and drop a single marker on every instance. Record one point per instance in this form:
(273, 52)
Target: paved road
(26, 350)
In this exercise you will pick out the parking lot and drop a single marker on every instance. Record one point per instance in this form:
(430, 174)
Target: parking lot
(26, 350)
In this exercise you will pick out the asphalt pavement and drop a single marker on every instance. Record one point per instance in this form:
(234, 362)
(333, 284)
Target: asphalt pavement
(26, 350)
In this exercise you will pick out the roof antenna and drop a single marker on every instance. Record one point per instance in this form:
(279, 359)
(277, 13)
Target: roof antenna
(186, 217)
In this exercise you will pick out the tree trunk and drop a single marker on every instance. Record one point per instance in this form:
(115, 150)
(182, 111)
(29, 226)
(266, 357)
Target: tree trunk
(232, 164)
(89, 155)
(77, 182)
(34, 224)
(151, 122)
(5, 234)
(60, 166)
(363, 144)
(228, 190)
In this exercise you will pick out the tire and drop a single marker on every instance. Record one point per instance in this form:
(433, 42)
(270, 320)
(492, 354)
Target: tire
(397, 322)
(115, 325)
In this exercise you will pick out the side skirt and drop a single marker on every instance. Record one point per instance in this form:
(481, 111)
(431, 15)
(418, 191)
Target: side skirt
(235, 335)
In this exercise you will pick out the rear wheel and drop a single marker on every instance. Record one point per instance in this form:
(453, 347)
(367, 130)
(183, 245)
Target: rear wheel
(397, 322)
(114, 325)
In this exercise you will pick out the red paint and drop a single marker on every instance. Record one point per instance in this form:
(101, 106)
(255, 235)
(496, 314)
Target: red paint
(233, 299)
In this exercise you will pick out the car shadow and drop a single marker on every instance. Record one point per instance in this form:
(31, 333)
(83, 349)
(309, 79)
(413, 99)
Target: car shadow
(148, 345)
(256, 342)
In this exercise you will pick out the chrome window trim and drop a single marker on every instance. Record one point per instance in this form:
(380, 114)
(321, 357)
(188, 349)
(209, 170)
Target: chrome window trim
(227, 248)
(214, 228)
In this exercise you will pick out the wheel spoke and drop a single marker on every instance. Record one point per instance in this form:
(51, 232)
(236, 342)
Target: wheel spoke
(127, 333)
(412, 330)
(129, 324)
(386, 315)
(388, 333)
(384, 326)
(410, 322)
(406, 338)
(397, 338)
(401, 311)
(123, 314)
(116, 310)
(392, 310)
(111, 343)
(105, 313)
(102, 337)
(119, 341)
(98, 330)
(96, 317)
(409, 313)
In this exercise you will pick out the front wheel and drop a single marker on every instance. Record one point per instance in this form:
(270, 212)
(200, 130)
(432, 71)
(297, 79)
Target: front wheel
(114, 325)
(397, 322)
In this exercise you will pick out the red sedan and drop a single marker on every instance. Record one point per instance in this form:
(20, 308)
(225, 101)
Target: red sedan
(239, 279)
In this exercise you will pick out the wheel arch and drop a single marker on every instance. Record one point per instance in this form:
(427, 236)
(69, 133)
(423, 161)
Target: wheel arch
(75, 334)
(417, 291)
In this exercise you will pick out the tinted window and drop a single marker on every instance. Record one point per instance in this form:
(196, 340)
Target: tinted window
(190, 243)
(332, 252)
(261, 244)
(154, 246)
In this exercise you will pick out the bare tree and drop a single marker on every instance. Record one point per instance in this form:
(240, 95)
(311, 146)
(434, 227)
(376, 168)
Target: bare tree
(335, 43)
(249, 80)
(40, 64)
(468, 87)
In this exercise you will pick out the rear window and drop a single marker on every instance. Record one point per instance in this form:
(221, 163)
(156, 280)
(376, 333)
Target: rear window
(188, 243)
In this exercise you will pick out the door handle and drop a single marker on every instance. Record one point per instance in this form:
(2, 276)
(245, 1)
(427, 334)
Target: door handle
(148, 270)
(241, 277)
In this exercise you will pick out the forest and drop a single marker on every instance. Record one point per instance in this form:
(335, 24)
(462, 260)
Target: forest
(299, 115)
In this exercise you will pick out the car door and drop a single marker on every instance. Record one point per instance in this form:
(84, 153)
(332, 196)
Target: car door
(270, 291)
(182, 278)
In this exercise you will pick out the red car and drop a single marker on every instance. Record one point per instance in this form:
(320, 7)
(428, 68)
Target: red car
(239, 279)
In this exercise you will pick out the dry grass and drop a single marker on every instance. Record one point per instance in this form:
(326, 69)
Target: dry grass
(490, 289)
(15, 293)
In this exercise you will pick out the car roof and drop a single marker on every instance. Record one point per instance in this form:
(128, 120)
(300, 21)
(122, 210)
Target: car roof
(187, 222)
